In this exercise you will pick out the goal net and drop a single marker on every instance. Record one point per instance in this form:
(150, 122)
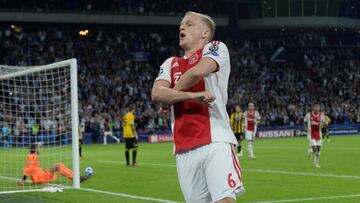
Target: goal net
(39, 107)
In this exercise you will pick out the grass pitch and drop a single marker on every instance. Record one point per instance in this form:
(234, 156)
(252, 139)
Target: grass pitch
(281, 173)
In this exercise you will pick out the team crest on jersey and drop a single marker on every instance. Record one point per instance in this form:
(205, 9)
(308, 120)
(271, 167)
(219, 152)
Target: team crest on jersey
(193, 59)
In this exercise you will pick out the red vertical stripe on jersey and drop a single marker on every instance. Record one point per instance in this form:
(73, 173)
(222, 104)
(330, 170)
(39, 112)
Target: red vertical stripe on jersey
(236, 163)
(192, 120)
(250, 121)
(315, 126)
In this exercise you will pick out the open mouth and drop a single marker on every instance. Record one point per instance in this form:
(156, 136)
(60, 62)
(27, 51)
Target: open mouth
(182, 35)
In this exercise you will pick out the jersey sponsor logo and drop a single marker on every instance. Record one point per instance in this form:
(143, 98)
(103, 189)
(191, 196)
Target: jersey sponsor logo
(193, 59)
(211, 53)
(177, 77)
(315, 123)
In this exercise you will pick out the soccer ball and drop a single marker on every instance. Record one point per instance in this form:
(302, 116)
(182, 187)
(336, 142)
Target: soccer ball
(89, 171)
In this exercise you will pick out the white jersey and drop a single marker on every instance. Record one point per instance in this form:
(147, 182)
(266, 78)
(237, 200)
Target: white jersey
(251, 120)
(195, 124)
(314, 123)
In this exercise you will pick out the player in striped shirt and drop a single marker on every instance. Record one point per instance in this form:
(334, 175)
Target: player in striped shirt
(195, 86)
(237, 125)
(312, 124)
(252, 119)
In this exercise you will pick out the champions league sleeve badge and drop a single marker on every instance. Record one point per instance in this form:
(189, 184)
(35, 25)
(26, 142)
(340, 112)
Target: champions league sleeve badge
(214, 47)
(213, 50)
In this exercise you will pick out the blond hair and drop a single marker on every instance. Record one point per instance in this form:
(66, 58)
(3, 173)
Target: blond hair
(207, 20)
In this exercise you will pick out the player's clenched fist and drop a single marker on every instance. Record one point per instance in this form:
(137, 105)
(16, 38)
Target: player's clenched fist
(204, 97)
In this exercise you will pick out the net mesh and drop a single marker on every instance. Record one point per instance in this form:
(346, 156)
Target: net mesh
(36, 108)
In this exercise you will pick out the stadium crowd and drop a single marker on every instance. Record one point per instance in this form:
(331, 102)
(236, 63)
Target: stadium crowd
(140, 7)
(116, 70)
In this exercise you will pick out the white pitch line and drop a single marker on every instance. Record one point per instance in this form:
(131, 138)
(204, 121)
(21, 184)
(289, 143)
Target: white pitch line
(88, 190)
(128, 196)
(254, 170)
(303, 173)
(310, 199)
(302, 147)
(29, 190)
(20, 191)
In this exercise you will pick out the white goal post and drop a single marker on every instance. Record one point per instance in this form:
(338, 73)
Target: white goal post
(39, 104)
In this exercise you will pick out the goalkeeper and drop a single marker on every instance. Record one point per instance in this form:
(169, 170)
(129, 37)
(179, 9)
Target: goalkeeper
(38, 176)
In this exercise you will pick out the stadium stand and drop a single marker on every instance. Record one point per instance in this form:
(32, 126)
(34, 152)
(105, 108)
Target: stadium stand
(129, 58)
(142, 7)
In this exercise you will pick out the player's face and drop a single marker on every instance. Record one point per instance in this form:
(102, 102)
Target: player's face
(316, 108)
(192, 31)
(251, 107)
(237, 109)
(37, 150)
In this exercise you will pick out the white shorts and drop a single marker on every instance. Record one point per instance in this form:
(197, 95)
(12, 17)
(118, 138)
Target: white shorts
(314, 142)
(250, 135)
(209, 173)
(108, 133)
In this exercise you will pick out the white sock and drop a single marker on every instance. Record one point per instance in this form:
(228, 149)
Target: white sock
(317, 158)
(250, 149)
(105, 139)
(310, 151)
(115, 138)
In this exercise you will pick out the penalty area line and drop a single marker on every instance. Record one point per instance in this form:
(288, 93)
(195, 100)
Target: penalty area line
(253, 170)
(310, 199)
(303, 173)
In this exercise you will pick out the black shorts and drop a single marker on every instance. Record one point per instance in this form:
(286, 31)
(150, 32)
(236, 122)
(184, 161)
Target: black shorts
(239, 136)
(130, 143)
(324, 131)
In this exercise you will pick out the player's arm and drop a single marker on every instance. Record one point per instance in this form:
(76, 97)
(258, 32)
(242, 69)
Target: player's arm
(328, 120)
(245, 120)
(162, 92)
(258, 117)
(215, 56)
(305, 123)
(194, 75)
(134, 131)
(27, 171)
(322, 118)
(132, 126)
(232, 121)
